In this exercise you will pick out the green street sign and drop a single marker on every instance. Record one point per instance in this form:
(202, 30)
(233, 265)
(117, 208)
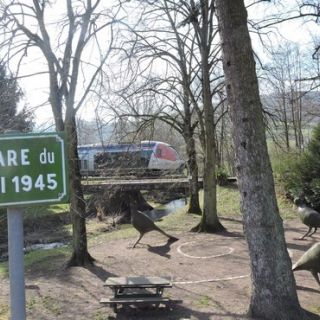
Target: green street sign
(33, 169)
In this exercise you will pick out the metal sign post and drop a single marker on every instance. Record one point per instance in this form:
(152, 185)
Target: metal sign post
(16, 264)
(33, 170)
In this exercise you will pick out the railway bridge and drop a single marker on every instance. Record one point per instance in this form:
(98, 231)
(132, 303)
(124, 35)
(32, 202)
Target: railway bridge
(180, 183)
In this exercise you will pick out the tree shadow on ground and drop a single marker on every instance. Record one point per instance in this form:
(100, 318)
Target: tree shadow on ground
(302, 246)
(174, 313)
(301, 230)
(308, 289)
(181, 312)
(100, 272)
(231, 219)
(230, 234)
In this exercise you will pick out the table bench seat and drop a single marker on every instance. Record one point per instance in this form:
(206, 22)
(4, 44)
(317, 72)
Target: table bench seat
(113, 302)
(136, 291)
(135, 300)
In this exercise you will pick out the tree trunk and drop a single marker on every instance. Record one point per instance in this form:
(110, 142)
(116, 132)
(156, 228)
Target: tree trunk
(80, 255)
(209, 220)
(285, 122)
(194, 206)
(273, 286)
(300, 133)
(220, 140)
(188, 135)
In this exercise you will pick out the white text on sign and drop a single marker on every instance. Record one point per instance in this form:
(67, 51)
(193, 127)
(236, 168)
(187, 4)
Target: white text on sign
(14, 158)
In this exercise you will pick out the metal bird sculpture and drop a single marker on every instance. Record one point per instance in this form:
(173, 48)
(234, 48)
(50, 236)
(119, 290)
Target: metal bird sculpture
(308, 216)
(143, 224)
(310, 261)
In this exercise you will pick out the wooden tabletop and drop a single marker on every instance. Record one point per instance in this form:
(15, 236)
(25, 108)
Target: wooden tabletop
(141, 281)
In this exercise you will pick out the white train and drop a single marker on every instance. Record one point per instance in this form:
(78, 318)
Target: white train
(142, 158)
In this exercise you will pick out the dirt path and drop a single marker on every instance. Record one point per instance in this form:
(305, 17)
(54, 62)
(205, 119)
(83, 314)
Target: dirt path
(211, 275)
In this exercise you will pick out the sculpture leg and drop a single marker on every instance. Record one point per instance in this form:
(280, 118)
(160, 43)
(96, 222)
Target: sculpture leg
(306, 234)
(137, 241)
(316, 276)
(315, 229)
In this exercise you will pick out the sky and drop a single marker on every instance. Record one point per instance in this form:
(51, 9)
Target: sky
(36, 88)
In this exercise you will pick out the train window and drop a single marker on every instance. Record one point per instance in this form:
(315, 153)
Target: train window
(84, 164)
(146, 154)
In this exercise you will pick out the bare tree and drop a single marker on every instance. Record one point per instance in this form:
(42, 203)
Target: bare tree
(274, 293)
(155, 37)
(182, 35)
(201, 16)
(288, 100)
(28, 26)
(281, 101)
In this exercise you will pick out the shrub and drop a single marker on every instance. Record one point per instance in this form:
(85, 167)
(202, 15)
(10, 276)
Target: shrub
(302, 176)
(222, 176)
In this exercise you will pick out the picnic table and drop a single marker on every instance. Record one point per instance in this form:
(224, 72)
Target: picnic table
(137, 291)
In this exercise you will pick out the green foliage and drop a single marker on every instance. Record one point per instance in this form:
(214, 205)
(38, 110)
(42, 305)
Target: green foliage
(302, 176)
(287, 172)
(222, 176)
(10, 95)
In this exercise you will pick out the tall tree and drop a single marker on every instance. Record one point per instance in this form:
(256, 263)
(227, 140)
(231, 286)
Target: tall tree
(61, 41)
(274, 293)
(10, 95)
(201, 16)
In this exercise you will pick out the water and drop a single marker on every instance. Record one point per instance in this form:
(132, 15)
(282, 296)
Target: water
(45, 246)
(163, 210)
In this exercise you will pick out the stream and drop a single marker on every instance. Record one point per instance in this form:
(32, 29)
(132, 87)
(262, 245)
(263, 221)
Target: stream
(165, 209)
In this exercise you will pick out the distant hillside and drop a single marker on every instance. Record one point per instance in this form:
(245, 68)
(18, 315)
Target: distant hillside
(310, 105)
